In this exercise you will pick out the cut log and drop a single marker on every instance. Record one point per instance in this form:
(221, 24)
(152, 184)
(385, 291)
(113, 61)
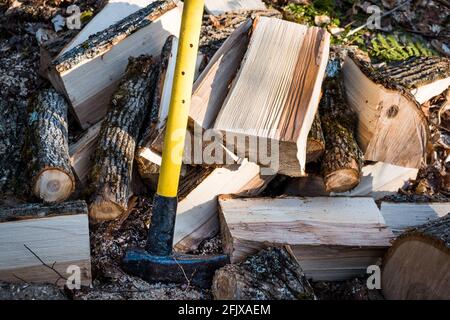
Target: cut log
(197, 212)
(343, 159)
(57, 234)
(80, 72)
(424, 77)
(218, 7)
(391, 127)
(286, 63)
(417, 266)
(47, 148)
(332, 238)
(272, 274)
(379, 180)
(402, 216)
(113, 158)
(81, 153)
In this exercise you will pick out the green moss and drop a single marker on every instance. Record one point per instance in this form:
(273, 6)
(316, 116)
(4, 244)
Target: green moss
(396, 48)
(305, 14)
(86, 16)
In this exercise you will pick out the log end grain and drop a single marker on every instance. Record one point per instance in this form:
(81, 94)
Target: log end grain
(104, 210)
(342, 180)
(53, 185)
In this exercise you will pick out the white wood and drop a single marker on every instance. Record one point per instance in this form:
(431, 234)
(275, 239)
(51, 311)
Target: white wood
(333, 238)
(218, 7)
(90, 84)
(380, 179)
(426, 92)
(276, 92)
(61, 239)
(112, 12)
(199, 207)
(82, 151)
(401, 216)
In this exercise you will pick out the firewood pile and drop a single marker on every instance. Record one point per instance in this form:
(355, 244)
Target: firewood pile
(305, 161)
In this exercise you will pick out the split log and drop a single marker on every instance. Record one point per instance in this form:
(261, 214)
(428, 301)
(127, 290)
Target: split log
(37, 210)
(276, 110)
(46, 243)
(424, 77)
(272, 274)
(332, 238)
(113, 159)
(391, 127)
(218, 7)
(47, 148)
(402, 216)
(197, 211)
(142, 32)
(417, 266)
(342, 161)
(379, 180)
(81, 153)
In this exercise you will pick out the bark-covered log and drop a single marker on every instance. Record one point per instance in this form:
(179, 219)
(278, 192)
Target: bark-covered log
(315, 146)
(417, 71)
(343, 159)
(113, 159)
(102, 41)
(47, 148)
(417, 266)
(273, 273)
(391, 127)
(38, 210)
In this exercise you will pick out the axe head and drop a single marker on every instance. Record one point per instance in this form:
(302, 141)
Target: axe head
(175, 268)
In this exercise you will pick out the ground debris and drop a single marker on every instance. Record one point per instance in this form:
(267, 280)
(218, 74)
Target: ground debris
(28, 291)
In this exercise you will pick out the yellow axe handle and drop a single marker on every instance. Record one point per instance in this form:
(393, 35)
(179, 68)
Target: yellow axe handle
(180, 100)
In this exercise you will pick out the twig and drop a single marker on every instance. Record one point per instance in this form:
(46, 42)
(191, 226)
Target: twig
(21, 279)
(184, 273)
(46, 265)
(351, 32)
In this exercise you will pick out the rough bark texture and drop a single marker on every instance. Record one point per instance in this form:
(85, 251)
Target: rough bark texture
(47, 146)
(273, 273)
(150, 132)
(113, 159)
(315, 146)
(417, 71)
(343, 159)
(38, 210)
(437, 231)
(103, 40)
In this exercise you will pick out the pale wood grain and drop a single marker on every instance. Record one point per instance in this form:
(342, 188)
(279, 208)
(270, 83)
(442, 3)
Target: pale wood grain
(333, 238)
(63, 240)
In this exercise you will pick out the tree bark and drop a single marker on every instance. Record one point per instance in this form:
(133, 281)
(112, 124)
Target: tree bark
(47, 148)
(416, 72)
(113, 159)
(38, 210)
(315, 146)
(273, 273)
(343, 159)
